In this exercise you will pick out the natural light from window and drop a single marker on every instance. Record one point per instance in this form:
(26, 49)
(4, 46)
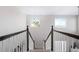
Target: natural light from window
(60, 22)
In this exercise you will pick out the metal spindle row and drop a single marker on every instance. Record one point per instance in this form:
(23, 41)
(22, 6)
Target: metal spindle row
(16, 43)
(69, 40)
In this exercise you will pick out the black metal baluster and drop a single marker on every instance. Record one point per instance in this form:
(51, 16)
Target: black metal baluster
(14, 49)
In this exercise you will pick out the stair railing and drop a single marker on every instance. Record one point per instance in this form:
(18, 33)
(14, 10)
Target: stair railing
(68, 34)
(29, 35)
(61, 32)
(71, 38)
(9, 40)
(50, 34)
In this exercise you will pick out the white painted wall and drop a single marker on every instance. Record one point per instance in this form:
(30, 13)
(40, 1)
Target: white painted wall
(11, 20)
(78, 25)
(71, 24)
(43, 30)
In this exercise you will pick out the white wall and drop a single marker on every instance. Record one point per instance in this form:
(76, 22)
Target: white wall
(11, 20)
(71, 24)
(78, 24)
(43, 30)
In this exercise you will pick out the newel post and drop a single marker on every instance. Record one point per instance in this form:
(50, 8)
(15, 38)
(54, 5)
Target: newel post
(52, 38)
(27, 38)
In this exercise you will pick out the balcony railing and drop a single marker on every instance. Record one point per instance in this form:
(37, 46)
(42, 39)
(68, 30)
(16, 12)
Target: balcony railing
(19, 41)
(62, 34)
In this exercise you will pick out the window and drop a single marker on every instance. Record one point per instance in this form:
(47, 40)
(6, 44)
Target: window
(60, 22)
(35, 22)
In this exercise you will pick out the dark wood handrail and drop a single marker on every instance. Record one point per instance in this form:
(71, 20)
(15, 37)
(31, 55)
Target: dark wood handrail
(31, 37)
(50, 34)
(68, 34)
(47, 37)
(10, 35)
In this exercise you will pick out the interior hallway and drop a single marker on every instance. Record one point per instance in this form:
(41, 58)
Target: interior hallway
(39, 29)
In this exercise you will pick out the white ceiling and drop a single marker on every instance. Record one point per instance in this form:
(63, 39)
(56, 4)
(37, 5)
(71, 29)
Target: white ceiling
(49, 10)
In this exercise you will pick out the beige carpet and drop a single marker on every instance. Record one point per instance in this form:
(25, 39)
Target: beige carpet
(40, 50)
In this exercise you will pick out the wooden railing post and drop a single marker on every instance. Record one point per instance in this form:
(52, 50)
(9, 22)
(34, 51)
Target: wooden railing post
(27, 38)
(52, 38)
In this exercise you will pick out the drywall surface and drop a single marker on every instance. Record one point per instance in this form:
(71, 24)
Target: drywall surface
(11, 20)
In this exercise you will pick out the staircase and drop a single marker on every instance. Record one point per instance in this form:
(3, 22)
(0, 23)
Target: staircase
(39, 45)
(16, 42)
(40, 50)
